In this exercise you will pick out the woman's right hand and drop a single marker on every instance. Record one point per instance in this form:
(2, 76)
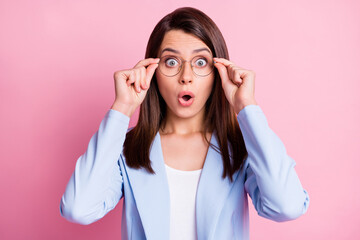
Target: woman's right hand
(131, 85)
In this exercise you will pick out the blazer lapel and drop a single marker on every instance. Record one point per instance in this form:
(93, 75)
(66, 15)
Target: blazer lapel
(151, 193)
(211, 193)
(152, 197)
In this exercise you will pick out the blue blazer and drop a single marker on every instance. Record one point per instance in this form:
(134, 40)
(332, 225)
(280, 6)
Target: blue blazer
(102, 177)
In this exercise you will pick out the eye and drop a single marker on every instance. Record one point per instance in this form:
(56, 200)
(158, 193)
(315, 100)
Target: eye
(171, 62)
(201, 62)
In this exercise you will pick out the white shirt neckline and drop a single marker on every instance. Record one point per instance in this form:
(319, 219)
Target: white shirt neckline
(183, 171)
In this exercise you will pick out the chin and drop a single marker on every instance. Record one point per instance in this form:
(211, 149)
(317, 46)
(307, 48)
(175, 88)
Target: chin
(186, 112)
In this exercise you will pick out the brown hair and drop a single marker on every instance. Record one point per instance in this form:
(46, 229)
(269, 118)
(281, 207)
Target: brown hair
(220, 116)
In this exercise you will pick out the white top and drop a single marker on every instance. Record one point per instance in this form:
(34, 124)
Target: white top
(182, 187)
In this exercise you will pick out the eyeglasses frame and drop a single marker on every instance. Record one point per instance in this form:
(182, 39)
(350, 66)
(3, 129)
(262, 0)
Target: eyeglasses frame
(182, 61)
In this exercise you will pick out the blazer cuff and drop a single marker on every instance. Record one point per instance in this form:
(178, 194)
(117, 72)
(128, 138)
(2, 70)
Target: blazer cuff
(249, 111)
(118, 115)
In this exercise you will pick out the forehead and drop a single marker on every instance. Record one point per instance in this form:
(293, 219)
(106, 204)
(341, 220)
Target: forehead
(182, 42)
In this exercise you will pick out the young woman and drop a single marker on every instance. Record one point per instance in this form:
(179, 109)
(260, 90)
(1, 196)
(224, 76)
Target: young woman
(200, 146)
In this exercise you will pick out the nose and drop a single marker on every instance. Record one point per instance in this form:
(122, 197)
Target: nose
(186, 76)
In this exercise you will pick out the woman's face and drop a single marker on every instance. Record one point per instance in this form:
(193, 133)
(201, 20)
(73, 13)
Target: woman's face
(185, 93)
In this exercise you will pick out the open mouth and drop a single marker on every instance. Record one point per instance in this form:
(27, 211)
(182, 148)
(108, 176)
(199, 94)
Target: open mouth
(186, 97)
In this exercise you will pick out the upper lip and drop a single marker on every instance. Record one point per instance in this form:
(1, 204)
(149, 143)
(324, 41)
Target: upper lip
(183, 93)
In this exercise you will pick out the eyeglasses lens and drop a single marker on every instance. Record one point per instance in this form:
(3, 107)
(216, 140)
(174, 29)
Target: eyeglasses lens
(171, 65)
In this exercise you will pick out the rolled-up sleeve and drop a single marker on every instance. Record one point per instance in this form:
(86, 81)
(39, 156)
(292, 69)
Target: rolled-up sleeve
(96, 184)
(271, 179)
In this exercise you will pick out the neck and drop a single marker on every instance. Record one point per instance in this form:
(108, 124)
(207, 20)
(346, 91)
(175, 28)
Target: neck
(182, 126)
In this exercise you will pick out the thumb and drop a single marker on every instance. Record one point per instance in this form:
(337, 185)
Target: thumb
(223, 73)
(150, 72)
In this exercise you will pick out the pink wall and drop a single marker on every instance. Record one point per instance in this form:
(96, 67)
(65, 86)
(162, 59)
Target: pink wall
(57, 60)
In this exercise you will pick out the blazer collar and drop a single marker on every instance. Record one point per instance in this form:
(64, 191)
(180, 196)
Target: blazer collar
(151, 193)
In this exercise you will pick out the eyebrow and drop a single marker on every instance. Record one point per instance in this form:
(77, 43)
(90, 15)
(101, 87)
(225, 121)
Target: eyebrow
(176, 51)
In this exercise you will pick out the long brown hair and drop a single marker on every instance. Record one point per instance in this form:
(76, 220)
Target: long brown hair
(219, 115)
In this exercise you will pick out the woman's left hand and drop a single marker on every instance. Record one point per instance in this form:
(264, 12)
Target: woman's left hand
(238, 84)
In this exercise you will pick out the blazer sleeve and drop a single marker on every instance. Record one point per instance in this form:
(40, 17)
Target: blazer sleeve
(96, 185)
(271, 180)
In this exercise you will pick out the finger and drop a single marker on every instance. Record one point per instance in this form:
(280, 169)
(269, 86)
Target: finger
(143, 78)
(124, 74)
(146, 62)
(131, 78)
(223, 61)
(150, 72)
(137, 82)
(231, 70)
(235, 74)
(237, 78)
(222, 72)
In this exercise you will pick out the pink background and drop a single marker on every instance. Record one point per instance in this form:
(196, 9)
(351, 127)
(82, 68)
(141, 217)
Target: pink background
(57, 60)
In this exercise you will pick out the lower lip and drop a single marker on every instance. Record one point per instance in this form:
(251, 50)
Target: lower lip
(186, 103)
